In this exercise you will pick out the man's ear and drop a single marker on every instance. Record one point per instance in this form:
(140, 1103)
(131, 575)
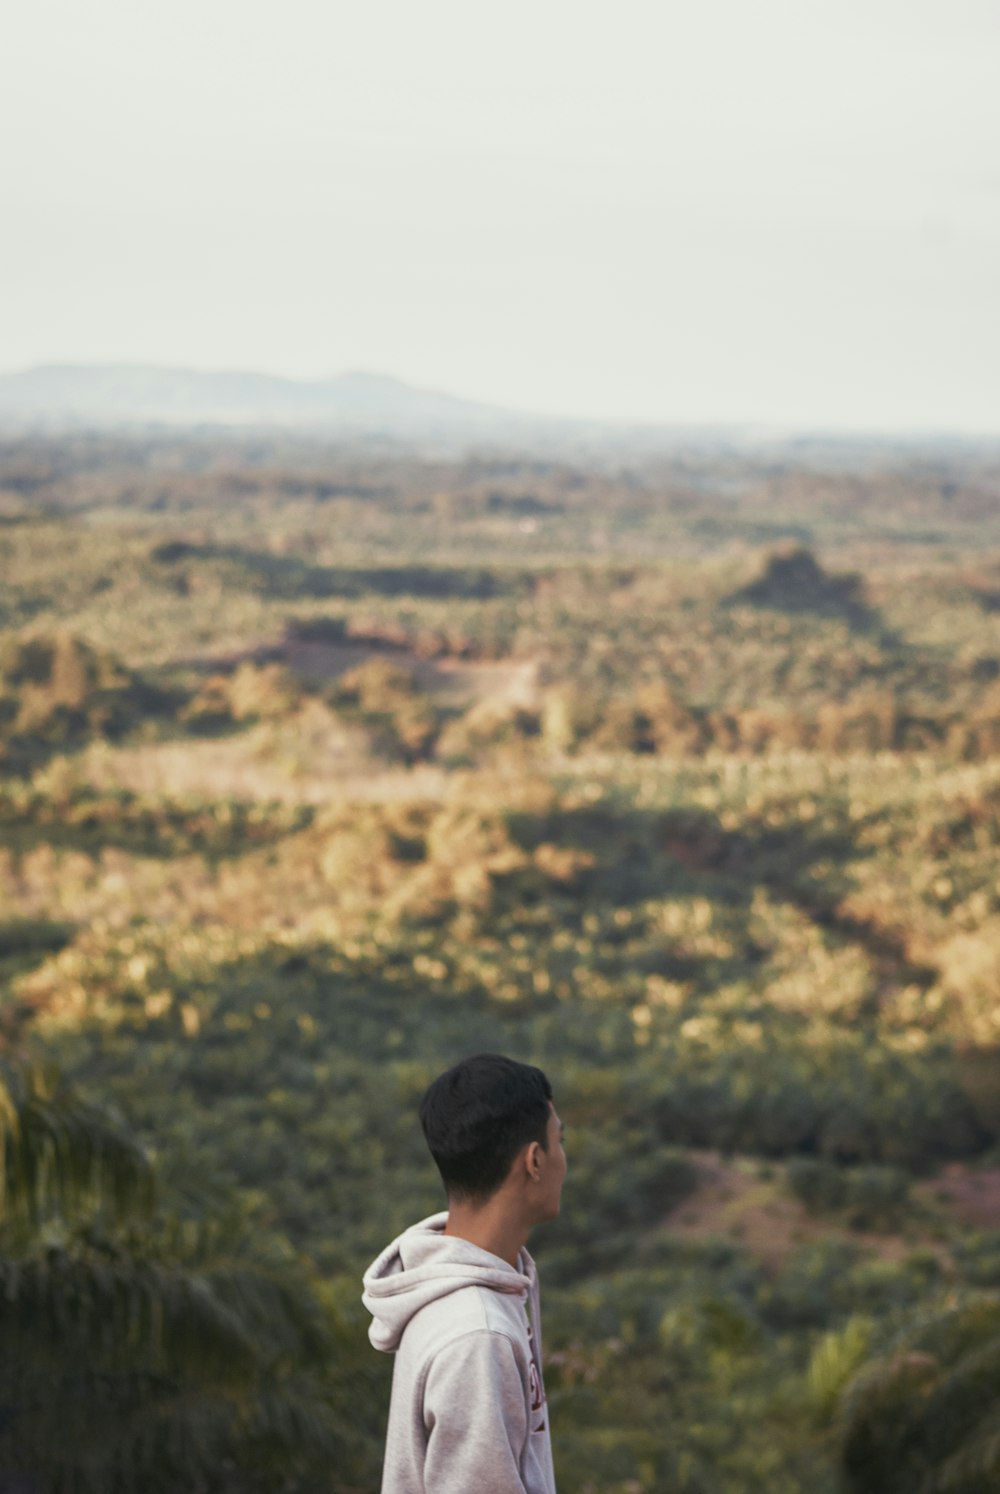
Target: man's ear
(532, 1164)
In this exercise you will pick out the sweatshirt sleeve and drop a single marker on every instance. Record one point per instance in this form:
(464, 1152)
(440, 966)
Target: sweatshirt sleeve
(476, 1417)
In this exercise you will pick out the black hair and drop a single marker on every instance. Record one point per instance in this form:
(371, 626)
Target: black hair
(476, 1118)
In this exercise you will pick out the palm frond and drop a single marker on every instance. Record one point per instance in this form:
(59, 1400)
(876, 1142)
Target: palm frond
(61, 1156)
(976, 1464)
(922, 1418)
(835, 1360)
(147, 1354)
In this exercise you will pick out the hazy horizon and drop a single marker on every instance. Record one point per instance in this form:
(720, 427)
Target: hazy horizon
(770, 216)
(385, 389)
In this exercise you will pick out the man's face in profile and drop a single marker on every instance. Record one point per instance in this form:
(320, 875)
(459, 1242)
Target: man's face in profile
(553, 1163)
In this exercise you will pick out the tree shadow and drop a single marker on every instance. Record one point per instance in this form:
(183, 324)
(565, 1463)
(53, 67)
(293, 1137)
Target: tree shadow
(685, 852)
(988, 601)
(287, 577)
(794, 582)
(92, 821)
(24, 944)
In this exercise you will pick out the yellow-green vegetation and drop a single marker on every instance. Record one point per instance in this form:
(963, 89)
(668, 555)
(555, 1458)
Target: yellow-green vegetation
(321, 769)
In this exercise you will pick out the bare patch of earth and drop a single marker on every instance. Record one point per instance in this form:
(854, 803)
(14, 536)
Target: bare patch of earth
(314, 757)
(304, 765)
(735, 1200)
(457, 682)
(462, 681)
(971, 1195)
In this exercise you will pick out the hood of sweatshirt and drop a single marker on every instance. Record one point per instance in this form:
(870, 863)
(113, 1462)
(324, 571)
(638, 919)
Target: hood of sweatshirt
(423, 1264)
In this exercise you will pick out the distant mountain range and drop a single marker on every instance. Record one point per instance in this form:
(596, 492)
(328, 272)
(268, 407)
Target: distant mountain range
(59, 397)
(56, 396)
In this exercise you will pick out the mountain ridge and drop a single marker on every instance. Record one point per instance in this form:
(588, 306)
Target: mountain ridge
(65, 397)
(138, 393)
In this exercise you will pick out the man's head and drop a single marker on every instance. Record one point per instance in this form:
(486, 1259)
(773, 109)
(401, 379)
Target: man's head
(487, 1114)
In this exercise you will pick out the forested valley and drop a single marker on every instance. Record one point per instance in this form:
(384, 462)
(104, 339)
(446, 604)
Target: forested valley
(323, 766)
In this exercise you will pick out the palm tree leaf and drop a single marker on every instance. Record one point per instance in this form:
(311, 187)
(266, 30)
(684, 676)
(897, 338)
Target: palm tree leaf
(62, 1157)
(976, 1464)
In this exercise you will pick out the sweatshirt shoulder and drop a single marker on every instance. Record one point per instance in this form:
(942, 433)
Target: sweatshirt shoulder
(472, 1309)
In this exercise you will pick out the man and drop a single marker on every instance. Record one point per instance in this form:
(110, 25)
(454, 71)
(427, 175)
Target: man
(456, 1297)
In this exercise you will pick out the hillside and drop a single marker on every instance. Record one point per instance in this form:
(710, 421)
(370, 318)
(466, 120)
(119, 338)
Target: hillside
(321, 767)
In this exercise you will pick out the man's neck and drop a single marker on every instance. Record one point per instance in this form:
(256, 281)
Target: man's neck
(489, 1226)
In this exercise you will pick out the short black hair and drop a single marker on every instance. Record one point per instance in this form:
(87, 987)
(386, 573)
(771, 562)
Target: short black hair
(478, 1115)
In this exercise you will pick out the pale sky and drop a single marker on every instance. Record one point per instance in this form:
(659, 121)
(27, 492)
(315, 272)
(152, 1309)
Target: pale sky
(779, 211)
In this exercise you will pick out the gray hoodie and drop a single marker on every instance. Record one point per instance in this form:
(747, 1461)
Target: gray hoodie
(468, 1412)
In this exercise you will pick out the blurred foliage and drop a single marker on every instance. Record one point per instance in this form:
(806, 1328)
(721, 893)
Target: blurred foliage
(56, 691)
(320, 768)
(874, 1197)
(144, 1351)
(925, 1414)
